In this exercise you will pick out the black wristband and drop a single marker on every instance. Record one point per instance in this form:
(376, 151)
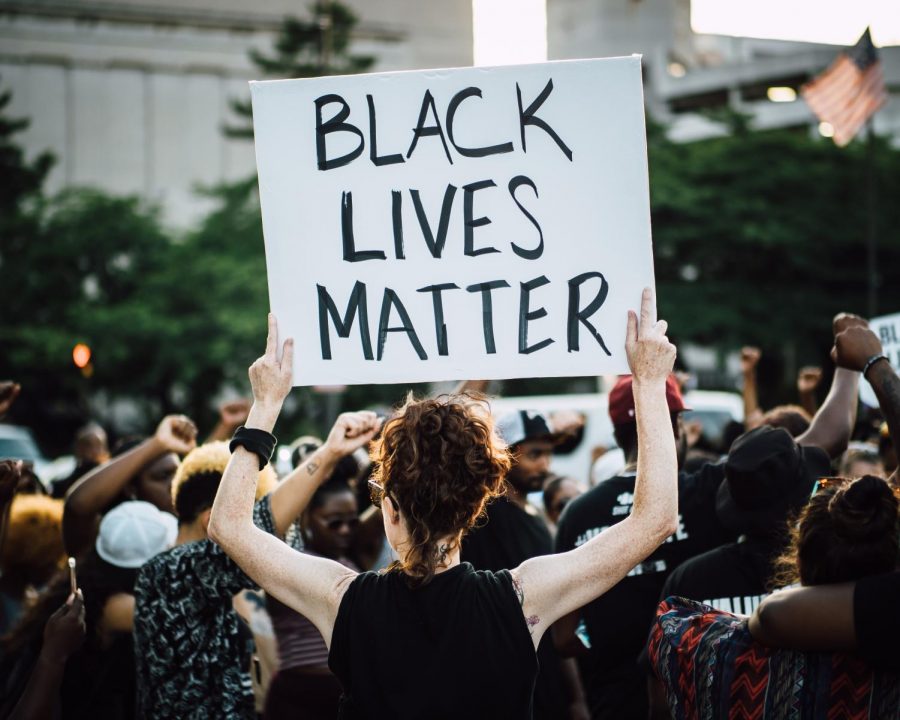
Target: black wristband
(257, 441)
(871, 361)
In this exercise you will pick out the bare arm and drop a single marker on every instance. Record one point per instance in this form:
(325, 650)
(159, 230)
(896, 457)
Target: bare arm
(63, 635)
(813, 619)
(290, 498)
(832, 425)
(87, 498)
(749, 359)
(853, 347)
(312, 586)
(554, 585)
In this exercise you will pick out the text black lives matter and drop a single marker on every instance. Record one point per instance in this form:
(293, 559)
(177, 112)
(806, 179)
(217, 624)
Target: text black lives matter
(429, 125)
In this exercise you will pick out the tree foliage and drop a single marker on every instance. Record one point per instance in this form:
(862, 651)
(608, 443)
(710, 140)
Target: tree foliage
(305, 48)
(759, 237)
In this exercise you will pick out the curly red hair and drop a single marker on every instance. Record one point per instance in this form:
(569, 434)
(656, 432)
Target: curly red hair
(441, 462)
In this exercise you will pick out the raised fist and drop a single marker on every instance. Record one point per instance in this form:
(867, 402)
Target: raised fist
(842, 321)
(177, 434)
(234, 413)
(808, 379)
(9, 391)
(749, 358)
(351, 431)
(854, 346)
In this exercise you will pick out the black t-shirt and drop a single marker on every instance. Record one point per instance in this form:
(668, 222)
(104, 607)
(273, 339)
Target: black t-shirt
(731, 578)
(877, 622)
(455, 648)
(618, 621)
(509, 537)
(506, 538)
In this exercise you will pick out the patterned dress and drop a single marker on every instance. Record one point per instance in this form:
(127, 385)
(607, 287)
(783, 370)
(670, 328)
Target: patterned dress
(192, 651)
(711, 667)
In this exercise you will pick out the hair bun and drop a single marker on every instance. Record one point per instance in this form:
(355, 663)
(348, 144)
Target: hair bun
(865, 509)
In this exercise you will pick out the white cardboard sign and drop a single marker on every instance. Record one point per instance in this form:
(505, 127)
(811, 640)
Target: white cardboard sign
(887, 328)
(447, 224)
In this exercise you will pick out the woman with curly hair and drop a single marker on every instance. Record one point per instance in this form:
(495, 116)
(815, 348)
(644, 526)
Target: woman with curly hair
(431, 637)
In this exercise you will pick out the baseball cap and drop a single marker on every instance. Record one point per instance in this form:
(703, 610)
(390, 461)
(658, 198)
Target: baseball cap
(521, 425)
(767, 477)
(133, 532)
(621, 399)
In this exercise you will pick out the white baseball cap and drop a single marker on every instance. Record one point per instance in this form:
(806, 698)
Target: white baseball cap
(133, 532)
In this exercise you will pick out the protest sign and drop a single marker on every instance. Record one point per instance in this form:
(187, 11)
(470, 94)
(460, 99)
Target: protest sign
(449, 224)
(887, 328)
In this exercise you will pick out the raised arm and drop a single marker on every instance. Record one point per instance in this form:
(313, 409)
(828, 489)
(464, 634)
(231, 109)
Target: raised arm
(554, 585)
(350, 432)
(232, 415)
(808, 380)
(749, 360)
(858, 349)
(310, 585)
(832, 425)
(63, 635)
(87, 498)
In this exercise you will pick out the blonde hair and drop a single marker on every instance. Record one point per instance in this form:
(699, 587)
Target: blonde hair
(33, 548)
(213, 457)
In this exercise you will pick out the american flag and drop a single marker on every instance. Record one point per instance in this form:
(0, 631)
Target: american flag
(848, 92)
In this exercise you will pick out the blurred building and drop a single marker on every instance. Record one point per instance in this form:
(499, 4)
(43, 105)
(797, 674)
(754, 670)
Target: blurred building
(686, 74)
(131, 95)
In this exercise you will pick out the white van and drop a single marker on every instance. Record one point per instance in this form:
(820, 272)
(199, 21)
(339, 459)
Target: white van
(713, 409)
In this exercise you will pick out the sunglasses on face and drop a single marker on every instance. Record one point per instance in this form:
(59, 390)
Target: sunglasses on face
(828, 483)
(336, 523)
(377, 493)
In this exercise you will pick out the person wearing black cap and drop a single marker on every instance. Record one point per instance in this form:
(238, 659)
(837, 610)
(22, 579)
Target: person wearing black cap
(768, 479)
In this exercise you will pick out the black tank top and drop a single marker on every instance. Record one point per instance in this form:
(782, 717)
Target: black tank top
(455, 648)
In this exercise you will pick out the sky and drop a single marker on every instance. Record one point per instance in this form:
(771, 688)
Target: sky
(838, 22)
(515, 31)
(509, 32)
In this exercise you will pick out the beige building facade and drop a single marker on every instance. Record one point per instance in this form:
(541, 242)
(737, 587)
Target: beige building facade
(131, 95)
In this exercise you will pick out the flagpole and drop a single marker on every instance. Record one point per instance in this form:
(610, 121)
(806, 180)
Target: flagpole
(871, 227)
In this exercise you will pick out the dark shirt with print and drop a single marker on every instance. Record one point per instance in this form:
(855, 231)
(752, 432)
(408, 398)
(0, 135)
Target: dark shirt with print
(733, 578)
(192, 651)
(619, 620)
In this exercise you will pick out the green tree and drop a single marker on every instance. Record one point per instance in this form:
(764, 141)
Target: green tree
(306, 48)
(759, 237)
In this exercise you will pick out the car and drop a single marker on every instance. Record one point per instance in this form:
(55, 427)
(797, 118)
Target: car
(17, 442)
(713, 409)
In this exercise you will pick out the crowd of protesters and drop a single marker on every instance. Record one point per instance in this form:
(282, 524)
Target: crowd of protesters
(402, 568)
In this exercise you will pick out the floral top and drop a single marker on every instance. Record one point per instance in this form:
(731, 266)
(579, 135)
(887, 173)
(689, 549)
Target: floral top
(191, 648)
